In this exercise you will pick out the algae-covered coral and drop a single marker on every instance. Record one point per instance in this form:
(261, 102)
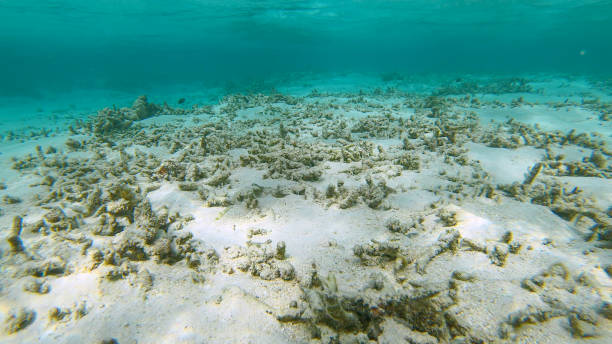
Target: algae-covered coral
(336, 217)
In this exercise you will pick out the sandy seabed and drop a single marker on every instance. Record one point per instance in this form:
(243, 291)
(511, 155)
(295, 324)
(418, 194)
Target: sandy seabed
(470, 210)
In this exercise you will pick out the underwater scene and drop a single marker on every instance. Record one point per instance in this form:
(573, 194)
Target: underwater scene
(218, 171)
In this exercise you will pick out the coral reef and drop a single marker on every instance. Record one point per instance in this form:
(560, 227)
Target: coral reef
(18, 320)
(495, 86)
(147, 206)
(260, 259)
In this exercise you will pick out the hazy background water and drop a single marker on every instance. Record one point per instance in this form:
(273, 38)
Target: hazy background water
(63, 45)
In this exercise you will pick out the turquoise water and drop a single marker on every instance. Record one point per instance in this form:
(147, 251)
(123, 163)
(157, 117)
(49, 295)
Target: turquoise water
(67, 45)
(328, 171)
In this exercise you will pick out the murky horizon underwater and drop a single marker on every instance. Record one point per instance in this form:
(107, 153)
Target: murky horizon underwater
(66, 45)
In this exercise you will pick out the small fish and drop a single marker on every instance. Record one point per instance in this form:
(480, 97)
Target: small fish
(181, 101)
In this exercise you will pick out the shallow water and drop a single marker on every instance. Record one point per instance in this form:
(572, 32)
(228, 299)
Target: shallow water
(136, 44)
(305, 171)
